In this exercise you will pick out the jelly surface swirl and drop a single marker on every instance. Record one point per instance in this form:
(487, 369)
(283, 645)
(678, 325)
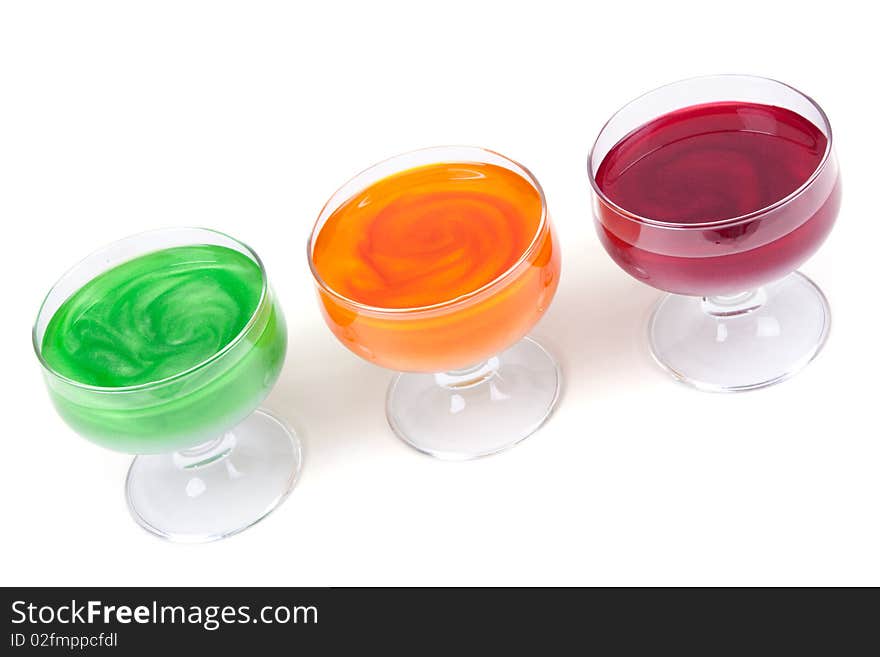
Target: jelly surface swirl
(154, 316)
(428, 235)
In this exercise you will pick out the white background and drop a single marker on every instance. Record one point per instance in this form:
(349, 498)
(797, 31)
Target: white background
(118, 117)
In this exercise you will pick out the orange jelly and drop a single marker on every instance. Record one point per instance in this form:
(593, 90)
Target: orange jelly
(437, 267)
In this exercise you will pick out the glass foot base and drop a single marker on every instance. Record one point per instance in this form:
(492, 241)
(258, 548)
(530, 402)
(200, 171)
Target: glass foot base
(219, 489)
(480, 411)
(759, 339)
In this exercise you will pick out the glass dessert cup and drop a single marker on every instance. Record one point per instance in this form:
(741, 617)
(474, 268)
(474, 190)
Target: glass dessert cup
(209, 464)
(738, 316)
(470, 383)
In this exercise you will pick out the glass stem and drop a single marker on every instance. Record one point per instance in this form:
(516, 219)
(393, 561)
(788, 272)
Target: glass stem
(735, 304)
(469, 377)
(206, 453)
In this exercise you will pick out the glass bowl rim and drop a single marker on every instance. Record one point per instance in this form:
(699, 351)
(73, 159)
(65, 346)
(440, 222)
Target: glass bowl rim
(518, 169)
(252, 320)
(720, 223)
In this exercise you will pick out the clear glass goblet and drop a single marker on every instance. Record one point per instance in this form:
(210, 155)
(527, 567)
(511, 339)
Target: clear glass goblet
(739, 316)
(209, 464)
(470, 382)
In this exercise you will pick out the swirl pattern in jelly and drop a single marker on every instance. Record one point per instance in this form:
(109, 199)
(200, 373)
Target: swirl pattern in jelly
(154, 316)
(428, 235)
(711, 162)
